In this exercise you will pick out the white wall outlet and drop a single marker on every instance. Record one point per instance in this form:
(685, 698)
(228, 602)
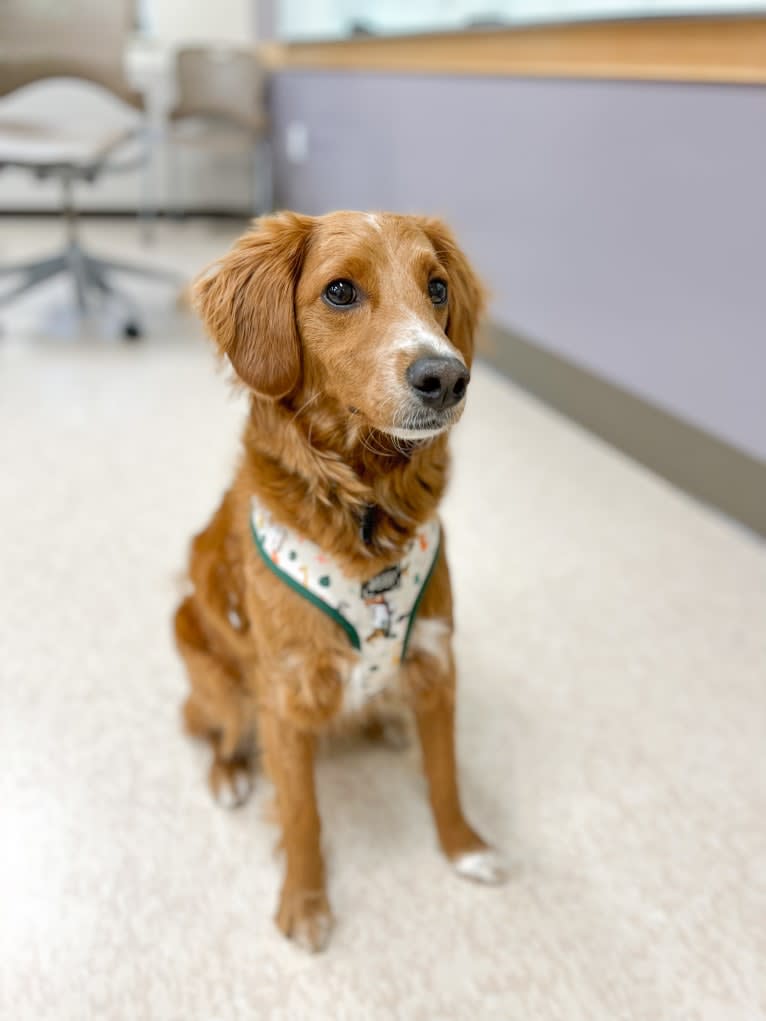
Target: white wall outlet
(297, 142)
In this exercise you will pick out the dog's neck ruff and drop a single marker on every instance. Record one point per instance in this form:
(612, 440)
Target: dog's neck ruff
(377, 613)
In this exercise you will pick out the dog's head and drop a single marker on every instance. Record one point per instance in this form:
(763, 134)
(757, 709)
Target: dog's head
(375, 311)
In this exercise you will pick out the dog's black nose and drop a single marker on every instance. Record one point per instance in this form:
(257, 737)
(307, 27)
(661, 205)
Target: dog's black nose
(439, 382)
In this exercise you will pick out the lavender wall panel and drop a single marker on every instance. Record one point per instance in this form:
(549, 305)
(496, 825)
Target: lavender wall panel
(621, 225)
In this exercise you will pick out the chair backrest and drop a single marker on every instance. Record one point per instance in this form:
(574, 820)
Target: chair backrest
(220, 82)
(83, 39)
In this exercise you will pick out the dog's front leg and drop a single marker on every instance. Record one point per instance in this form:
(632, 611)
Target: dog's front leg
(303, 913)
(432, 683)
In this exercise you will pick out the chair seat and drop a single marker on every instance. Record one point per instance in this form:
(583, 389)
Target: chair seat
(37, 144)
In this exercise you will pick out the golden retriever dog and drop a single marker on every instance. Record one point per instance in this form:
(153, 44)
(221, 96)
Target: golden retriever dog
(320, 591)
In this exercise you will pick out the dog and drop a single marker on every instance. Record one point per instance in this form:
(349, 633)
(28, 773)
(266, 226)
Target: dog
(320, 591)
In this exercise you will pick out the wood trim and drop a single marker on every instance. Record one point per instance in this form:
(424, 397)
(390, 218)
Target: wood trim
(707, 468)
(723, 49)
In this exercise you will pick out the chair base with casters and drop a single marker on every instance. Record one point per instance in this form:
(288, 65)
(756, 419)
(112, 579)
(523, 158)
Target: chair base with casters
(85, 42)
(90, 274)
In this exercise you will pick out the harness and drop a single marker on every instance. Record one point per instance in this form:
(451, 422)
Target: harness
(378, 613)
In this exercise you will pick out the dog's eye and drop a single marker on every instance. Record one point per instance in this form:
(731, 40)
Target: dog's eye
(437, 291)
(340, 292)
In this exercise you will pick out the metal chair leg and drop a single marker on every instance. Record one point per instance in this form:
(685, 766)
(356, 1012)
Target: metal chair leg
(34, 276)
(76, 262)
(131, 269)
(131, 328)
(174, 190)
(32, 266)
(266, 197)
(147, 211)
(253, 198)
(101, 282)
(88, 272)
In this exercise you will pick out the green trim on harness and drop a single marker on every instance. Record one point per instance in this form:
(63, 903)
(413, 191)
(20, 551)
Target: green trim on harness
(320, 604)
(419, 599)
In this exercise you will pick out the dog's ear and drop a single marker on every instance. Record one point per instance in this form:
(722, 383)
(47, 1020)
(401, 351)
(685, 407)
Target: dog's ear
(247, 302)
(467, 296)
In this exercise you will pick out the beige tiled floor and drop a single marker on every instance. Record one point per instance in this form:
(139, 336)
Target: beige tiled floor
(612, 723)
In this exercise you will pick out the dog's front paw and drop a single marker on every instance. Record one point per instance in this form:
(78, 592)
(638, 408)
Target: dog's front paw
(304, 917)
(482, 866)
(230, 782)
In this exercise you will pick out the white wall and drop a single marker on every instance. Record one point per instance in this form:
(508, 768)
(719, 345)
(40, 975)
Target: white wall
(331, 18)
(198, 21)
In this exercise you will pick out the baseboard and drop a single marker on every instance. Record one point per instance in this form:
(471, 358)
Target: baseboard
(695, 461)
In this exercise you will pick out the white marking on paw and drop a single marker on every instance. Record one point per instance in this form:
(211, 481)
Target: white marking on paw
(235, 792)
(313, 934)
(226, 796)
(431, 636)
(481, 866)
(242, 785)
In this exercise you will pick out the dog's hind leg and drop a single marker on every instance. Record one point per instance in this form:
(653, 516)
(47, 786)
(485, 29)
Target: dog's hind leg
(217, 710)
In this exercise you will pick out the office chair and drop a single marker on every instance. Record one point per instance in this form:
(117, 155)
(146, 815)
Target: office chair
(221, 98)
(81, 39)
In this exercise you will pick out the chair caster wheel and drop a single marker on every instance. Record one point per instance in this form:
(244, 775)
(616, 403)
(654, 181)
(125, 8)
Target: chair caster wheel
(132, 331)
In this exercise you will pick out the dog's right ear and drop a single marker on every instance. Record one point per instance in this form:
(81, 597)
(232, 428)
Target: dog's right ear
(247, 303)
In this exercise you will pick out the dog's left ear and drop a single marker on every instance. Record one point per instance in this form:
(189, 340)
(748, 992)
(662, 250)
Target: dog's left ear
(247, 302)
(467, 297)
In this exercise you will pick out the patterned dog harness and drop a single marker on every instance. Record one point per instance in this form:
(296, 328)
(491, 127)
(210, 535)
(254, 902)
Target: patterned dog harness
(377, 614)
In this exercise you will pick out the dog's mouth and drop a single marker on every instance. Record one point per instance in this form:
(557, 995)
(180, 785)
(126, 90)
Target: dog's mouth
(411, 422)
(421, 433)
(423, 426)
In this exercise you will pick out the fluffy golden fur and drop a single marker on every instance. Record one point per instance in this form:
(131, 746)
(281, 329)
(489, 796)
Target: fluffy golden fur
(333, 429)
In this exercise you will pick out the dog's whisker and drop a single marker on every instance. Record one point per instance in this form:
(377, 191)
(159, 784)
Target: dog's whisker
(367, 444)
(305, 405)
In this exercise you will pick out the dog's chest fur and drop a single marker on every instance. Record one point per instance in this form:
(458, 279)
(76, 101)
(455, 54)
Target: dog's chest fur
(360, 688)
